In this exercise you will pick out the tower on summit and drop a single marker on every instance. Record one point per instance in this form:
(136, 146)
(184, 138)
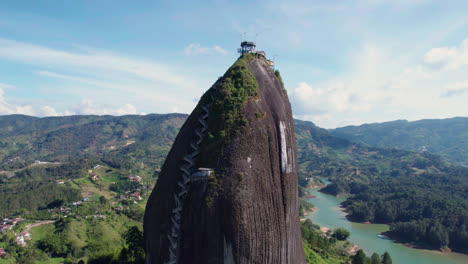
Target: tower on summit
(247, 47)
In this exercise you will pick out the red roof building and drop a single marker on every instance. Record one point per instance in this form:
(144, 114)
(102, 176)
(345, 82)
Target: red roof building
(2, 253)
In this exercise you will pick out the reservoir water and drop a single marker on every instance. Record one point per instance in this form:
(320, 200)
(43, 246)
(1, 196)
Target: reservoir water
(367, 237)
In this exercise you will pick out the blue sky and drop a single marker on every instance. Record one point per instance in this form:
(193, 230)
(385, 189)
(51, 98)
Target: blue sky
(343, 62)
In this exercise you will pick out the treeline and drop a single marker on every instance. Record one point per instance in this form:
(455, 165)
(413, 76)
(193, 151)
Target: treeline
(318, 247)
(35, 187)
(34, 195)
(323, 155)
(102, 247)
(145, 138)
(322, 248)
(65, 242)
(430, 209)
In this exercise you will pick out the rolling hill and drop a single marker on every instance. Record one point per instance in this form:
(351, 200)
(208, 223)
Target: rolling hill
(129, 145)
(445, 137)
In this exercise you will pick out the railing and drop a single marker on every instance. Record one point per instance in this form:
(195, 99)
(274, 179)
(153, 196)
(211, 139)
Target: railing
(187, 169)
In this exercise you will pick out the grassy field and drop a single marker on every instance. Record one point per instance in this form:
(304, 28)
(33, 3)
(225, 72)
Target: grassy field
(51, 261)
(37, 233)
(89, 189)
(111, 176)
(8, 261)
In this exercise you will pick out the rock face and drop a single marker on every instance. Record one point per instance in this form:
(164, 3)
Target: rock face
(245, 209)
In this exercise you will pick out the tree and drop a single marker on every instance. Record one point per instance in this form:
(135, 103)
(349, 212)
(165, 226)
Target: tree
(341, 234)
(386, 259)
(134, 253)
(103, 200)
(375, 258)
(55, 204)
(55, 244)
(360, 257)
(437, 236)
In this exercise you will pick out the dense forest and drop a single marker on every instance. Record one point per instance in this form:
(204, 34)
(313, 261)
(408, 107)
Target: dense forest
(445, 137)
(35, 187)
(323, 155)
(25, 139)
(430, 209)
(420, 194)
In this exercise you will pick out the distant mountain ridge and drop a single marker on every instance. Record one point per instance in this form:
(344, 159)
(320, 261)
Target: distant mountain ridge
(148, 139)
(128, 144)
(62, 138)
(445, 137)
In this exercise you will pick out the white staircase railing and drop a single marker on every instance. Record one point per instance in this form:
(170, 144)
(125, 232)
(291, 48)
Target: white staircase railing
(187, 169)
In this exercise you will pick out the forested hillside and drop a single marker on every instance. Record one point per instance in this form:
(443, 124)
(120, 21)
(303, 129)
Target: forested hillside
(47, 164)
(422, 196)
(445, 137)
(24, 139)
(324, 155)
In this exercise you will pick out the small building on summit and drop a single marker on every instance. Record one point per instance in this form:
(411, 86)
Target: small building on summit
(251, 47)
(261, 53)
(247, 47)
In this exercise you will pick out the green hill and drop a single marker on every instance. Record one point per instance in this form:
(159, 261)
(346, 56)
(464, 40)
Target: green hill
(445, 137)
(322, 154)
(69, 149)
(147, 139)
(24, 139)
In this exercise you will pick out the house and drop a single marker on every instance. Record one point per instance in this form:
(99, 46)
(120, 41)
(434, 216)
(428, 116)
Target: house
(2, 253)
(13, 222)
(137, 196)
(260, 54)
(4, 228)
(60, 182)
(20, 241)
(93, 177)
(26, 235)
(97, 166)
(135, 178)
(99, 216)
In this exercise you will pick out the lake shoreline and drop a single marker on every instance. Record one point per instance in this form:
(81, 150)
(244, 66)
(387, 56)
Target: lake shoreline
(368, 236)
(397, 239)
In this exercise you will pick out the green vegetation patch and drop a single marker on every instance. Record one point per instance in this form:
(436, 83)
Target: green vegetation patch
(227, 118)
(278, 75)
(231, 93)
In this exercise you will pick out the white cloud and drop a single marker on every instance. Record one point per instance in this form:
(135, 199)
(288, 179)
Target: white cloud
(97, 60)
(97, 74)
(49, 111)
(6, 86)
(87, 107)
(383, 86)
(456, 89)
(448, 58)
(164, 100)
(356, 92)
(7, 108)
(197, 49)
